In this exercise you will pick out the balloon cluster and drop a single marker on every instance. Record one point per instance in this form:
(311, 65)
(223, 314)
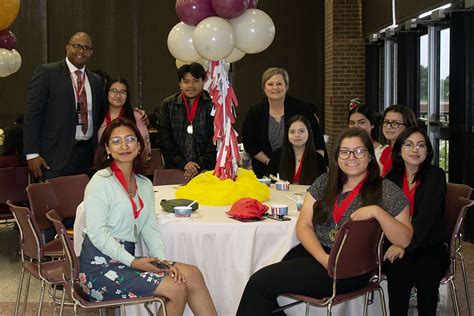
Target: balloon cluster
(213, 30)
(10, 59)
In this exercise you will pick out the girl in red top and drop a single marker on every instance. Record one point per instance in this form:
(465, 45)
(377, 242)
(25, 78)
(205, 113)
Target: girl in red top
(300, 163)
(396, 118)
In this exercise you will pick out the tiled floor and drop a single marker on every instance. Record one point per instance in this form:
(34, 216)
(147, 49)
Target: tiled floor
(10, 274)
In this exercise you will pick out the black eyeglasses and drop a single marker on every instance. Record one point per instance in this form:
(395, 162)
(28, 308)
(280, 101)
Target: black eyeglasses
(84, 48)
(359, 153)
(393, 124)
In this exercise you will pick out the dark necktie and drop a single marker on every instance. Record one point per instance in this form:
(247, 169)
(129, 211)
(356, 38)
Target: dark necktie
(82, 102)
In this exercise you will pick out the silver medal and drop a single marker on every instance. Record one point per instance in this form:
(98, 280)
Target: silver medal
(189, 129)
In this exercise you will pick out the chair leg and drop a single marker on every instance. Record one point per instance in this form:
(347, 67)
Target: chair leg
(18, 295)
(329, 312)
(307, 310)
(163, 307)
(454, 297)
(28, 279)
(382, 301)
(75, 309)
(122, 310)
(466, 285)
(366, 303)
(102, 312)
(43, 286)
(63, 297)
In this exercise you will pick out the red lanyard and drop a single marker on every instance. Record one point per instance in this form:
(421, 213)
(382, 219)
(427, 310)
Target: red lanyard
(338, 211)
(296, 177)
(410, 193)
(74, 83)
(108, 119)
(191, 114)
(119, 174)
(386, 160)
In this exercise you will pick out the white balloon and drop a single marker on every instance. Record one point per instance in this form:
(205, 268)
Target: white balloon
(236, 55)
(17, 58)
(202, 61)
(180, 43)
(213, 38)
(7, 62)
(254, 31)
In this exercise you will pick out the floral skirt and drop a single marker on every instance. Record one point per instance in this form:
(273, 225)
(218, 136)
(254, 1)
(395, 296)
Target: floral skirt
(103, 278)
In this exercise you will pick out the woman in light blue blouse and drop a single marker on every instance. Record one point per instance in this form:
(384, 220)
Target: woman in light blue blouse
(119, 208)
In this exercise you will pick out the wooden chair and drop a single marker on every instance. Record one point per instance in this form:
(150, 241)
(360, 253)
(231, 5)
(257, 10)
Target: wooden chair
(156, 162)
(356, 251)
(13, 183)
(69, 191)
(169, 176)
(456, 206)
(72, 287)
(32, 250)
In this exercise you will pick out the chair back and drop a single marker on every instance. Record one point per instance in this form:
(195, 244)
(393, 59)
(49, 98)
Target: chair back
(31, 243)
(69, 192)
(356, 250)
(462, 205)
(71, 261)
(155, 162)
(42, 199)
(453, 207)
(169, 176)
(13, 182)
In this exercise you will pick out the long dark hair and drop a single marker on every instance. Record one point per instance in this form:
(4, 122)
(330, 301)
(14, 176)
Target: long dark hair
(313, 162)
(127, 107)
(101, 160)
(371, 192)
(369, 114)
(398, 164)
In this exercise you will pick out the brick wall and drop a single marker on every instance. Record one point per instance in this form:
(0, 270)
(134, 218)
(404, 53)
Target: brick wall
(344, 62)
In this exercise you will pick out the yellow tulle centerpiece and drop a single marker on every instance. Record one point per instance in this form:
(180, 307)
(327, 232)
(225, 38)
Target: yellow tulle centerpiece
(210, 190)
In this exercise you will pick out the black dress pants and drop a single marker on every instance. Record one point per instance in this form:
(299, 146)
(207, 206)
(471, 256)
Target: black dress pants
(423, 269)
(298, 273)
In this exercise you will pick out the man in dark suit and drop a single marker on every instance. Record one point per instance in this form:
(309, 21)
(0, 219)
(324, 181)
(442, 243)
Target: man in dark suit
(65, 106)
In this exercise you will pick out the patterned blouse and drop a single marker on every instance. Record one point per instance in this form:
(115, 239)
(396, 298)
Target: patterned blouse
(393, 201)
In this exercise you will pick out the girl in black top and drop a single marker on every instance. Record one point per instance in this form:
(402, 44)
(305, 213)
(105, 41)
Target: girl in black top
(423, 263)
(300, 163)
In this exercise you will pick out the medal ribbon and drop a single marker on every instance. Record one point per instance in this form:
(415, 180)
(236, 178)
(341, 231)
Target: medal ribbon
(296, 177)
(119, 174)
(386, 160)
(338, 211)
(108, 119)
(191, 113)
(410, 193)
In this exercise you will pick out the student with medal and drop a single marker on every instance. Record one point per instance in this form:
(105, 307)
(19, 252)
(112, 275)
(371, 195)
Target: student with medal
(351, 190)
(119, 206)
(185, 124)
(425, 261)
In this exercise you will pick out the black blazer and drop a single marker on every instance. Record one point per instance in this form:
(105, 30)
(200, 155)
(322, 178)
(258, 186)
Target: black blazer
(428, 214)
(51, 117)
(255, 132)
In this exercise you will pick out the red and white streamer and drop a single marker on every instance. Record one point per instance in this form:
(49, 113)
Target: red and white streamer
(225, 102)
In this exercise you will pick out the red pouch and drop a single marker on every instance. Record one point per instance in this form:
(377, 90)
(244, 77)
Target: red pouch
(247, 208)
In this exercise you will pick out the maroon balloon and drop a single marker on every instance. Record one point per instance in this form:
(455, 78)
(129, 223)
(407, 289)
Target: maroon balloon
(192, 12)
(7, 40)
(229, 9)
(253, 4)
